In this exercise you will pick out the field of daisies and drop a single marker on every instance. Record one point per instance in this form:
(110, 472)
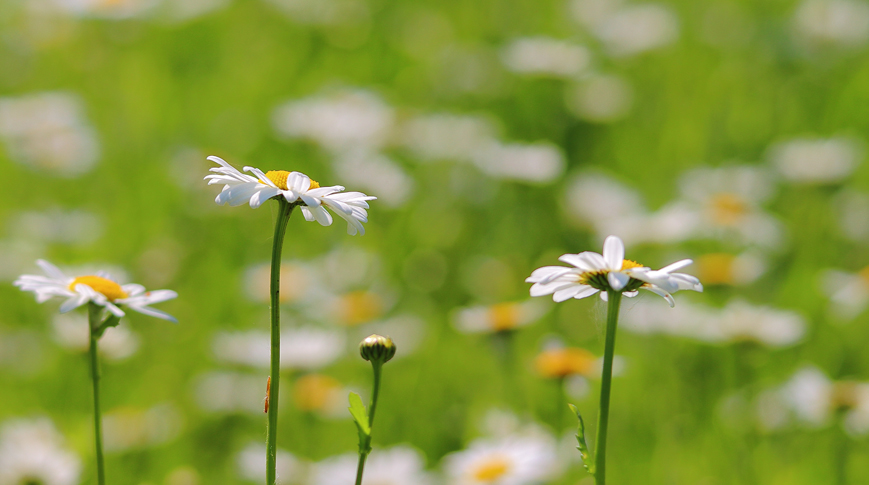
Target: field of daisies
(496, 136)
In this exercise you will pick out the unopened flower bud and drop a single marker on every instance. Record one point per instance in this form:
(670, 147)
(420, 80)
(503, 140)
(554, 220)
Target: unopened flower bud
(377, 349)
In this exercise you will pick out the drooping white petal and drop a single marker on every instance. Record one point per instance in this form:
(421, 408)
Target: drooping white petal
(51, 270)
(73, 302)
(617, 280)
(153, 312)
(660, 292)
(593, 260)
(614, 253)
(114, 309)
(566, 293)
(575, 260)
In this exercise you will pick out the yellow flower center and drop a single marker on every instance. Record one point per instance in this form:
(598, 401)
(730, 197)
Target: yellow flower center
(504, 316)
(492, 469)
(864, 273)
(628, 264)
(727, 209)
(279, 178)
(359, 307)
(107, 287)
(315, 392)
(716, 268)
(564, 362)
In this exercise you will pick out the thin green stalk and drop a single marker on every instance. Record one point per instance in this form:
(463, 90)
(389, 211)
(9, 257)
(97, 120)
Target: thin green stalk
(94, 324)
(841, 452)
(612, 318)
(366, 448)
(284, 212)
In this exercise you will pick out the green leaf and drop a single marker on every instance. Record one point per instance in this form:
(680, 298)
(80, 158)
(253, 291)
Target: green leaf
(110, 321)
(580, 438)
(360, 417)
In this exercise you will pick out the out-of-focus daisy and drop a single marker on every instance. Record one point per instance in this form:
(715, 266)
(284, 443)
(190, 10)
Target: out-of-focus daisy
(377, 173)
(99, 289)
(560, 362)
(71, 332)
(303, 348)
(627, 30)
(443, 136)
(298, 281)
(230, 392)
(321, 394)
(347, 119)
(738, 321)
(518, 459)
(848, 292)
(357, 307)
(818, 161)
(296, 188)
(499, 317)
(719, 203)
(545, 56)
(49, 132)
(731, 269)
(534, 163)
(600, 202)
(592, 273)
(833, 22)
(33, 452)
(399, 465)
(813, 399)
(251, 462)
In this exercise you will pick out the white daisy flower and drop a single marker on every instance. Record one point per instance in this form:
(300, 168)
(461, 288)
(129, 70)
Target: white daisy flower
(32, 452)
(592, 273)
(399, 465)
(296, 188)
(517, 459)
(100, 289)
(848, 292)
(499, 317)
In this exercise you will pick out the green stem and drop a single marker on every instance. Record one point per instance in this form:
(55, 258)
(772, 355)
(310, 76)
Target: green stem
(94, 324)
(284, 212)
(366, 448)
(841, 451)
(612, 318)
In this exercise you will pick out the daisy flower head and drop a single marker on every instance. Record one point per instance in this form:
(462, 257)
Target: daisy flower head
(99, 289)
(592, 273)
(296, 187)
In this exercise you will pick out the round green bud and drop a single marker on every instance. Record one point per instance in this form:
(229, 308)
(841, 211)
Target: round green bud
(376, 348)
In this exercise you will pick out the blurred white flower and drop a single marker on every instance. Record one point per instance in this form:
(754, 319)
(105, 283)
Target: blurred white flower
(816, 160)
(545, 56)
(813, 399)
(129, 428)
(638, 28)
(49, 132)
(321, 394)
(535, 163)
(398, 465)
(499, 317)
(738, 321)
(627, 30)
(375, 172)
(232, 392)
(601, 202)
(71, 332)
(303, 348)
(719, 203)
(296, 188)
(57, 226)
(592, 273)
(446, 136)
(100, 289)
(842, 22)
(731, 269)
(349, 119)
(355, 307)
(298, 282)
(31, 451)
(251, 464)
(600, 98)
(848, 292)
(517, 459)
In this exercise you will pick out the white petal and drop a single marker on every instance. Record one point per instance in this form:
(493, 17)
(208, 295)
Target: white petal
(617, 280)
(51, 270)
(154, 313)
(677, 265)
(593, 260)
(566, 293)
(575, 260)
(586, 292)
(663, 294)
(614, 253)
(114, 309)
(73, 303)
